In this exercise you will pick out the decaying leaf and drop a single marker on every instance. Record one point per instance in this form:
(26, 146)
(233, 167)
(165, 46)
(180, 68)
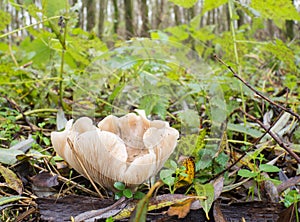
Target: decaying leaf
(180, 210)
(11, 180)
(44, 179)
(156, 203)
(133, 147)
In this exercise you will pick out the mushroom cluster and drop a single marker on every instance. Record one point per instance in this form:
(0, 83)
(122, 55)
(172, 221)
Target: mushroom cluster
(128, 149)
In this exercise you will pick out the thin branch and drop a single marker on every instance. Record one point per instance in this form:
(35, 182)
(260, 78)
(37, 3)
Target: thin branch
(257, 92)
(274, 136)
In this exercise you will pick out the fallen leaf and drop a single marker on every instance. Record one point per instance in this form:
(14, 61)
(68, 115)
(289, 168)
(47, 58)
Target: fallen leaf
(11, 180)
(156, 203)
(180, 210)
(8, 156)
(208, 191)
(6, 200)
(44, 179)
(218, 186)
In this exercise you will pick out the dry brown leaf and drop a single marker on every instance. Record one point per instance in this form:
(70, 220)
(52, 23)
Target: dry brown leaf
(181, 210)
(11, 180)
(44, 179)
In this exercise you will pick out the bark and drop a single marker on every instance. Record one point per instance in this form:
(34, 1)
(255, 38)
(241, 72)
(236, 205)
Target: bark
(177, 15)
(116, 16)
(91, 12)
(145, 19)
(128, 19)
(102, 13)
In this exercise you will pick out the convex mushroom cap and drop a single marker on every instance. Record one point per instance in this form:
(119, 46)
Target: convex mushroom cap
(128, 149)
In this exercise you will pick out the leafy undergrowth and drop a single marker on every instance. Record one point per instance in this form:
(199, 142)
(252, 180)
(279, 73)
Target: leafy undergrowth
(237, 162)
(234, 147)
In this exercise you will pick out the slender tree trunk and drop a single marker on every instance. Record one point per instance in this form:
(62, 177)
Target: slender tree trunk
(91, 12)
(128, 18)
(289, 25)
(145, 18)
(177, 15)
(270, 28)
(116, 16)
(102, 12)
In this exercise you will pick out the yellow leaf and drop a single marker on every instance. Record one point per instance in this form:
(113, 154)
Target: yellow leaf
(189, 164)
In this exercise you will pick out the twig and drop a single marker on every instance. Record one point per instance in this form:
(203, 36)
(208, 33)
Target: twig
(257, 92)
(247, 150)
(274, 136)
(83, 168)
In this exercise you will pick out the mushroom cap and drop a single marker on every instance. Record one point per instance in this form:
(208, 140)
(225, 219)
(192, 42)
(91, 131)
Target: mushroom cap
(128, 149)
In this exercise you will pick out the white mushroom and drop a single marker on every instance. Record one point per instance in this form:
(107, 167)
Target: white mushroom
(129, 149)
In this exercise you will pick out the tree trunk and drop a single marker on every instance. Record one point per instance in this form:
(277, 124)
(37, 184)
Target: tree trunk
(116, 16)
(145, 18)
(102, 12)
(177, 15)
(128, 19)
(289, 25)
(91, 12)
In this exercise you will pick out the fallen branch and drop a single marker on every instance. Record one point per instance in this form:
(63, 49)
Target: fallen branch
(274, 136)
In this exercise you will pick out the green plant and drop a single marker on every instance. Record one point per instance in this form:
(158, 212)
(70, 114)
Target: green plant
(172, 175)
(292, 198)
(125, 192)
(257, 173)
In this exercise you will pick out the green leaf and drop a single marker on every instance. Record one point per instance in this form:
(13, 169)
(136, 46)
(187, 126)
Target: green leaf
(208, 191)
(173, 164)
(5, 18)
(140, 211)
(6, 200)
(184, 3)
(279, 9)
(138, 195)
(247, 173)
(119, 185)
(53, 7)
(244, 129)
(127, 193)
(8, 156)
(269, 168)
(210, 5)
(166, 177)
